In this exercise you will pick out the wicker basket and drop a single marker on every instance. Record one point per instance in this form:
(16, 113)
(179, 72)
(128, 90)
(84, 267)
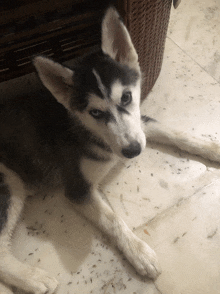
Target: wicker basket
(68, 28)
(147, 22)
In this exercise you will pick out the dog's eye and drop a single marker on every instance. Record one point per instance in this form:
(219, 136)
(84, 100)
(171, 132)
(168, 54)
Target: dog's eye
(126, 98)
(96, 113)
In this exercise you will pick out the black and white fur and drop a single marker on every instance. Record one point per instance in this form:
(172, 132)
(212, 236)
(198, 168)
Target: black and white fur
(73, 135)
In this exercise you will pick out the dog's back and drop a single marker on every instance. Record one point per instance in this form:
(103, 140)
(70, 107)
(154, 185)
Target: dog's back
(30, 128)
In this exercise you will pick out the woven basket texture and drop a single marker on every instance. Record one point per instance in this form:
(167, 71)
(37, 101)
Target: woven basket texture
(147, 21)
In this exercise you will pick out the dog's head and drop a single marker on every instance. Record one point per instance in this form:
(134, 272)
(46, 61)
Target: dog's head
(103, 89)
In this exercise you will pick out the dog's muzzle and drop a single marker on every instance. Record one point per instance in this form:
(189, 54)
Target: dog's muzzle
(133, 150)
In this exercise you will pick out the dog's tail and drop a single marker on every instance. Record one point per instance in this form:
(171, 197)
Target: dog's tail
(158, 133)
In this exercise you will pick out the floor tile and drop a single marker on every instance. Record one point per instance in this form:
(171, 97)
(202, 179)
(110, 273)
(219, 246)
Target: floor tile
(186, 238)
(155, 181)
(185, 96)
(195, 28)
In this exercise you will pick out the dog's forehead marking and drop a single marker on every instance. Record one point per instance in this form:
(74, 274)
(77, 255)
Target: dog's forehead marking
(102, 88)
(117, 90)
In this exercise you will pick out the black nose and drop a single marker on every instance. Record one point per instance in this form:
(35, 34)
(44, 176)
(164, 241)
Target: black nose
(134, 149)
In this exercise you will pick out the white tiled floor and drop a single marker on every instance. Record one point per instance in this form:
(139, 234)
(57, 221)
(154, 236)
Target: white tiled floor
(170, 199)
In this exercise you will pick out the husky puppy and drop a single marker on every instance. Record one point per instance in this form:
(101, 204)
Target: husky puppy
(72, 133)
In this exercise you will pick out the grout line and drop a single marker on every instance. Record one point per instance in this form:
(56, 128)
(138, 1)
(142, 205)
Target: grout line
(180, 202)
(175, 205)
(157, 289)
(193, 59)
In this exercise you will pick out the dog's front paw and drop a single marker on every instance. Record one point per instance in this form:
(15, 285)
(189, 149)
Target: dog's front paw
(143, 258)
(38, 281)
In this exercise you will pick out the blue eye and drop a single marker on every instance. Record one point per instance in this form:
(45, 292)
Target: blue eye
(96, 113)
(126, 98)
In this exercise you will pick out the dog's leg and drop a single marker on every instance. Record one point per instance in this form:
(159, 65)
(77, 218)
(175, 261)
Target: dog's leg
(140, 255)
(158, 133)
(12, 271)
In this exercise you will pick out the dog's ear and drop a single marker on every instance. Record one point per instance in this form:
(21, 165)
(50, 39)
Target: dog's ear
(57, 78)
(116, 41)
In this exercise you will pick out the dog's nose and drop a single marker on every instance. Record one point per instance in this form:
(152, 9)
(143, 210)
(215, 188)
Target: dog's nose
(134, 149)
